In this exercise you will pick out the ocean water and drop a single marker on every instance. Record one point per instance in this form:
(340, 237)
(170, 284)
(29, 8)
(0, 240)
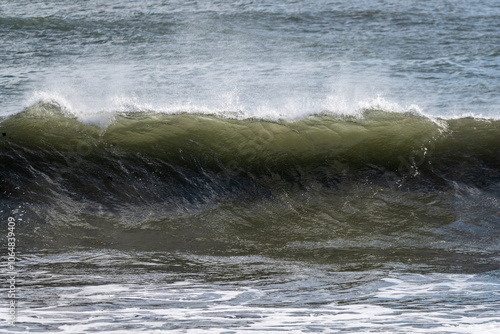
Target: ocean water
(250, 166)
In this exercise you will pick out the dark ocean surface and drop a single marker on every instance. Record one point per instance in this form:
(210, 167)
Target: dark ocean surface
(250, 166)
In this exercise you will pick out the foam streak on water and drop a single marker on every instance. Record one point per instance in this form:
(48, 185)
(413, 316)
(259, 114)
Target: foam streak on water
(245, 295)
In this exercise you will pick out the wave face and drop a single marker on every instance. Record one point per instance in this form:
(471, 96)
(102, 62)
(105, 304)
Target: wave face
(320, 187)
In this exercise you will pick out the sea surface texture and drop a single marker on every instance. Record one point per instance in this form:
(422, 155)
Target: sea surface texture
(250, 166)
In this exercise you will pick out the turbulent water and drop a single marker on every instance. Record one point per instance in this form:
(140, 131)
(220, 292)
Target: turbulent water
(230, 167)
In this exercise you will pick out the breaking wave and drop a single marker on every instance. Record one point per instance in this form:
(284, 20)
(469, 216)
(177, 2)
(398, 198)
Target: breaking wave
(209, 182)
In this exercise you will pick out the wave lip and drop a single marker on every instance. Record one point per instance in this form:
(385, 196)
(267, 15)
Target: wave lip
(225, 106)
(375, 137)
(227, 135)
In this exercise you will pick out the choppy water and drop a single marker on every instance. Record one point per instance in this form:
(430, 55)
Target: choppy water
(251, 166)
(121, 292)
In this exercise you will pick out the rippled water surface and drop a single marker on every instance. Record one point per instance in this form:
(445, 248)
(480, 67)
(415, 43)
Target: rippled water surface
(118, 292)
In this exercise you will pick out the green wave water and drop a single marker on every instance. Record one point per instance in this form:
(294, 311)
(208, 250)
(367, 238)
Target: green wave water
(397, 184)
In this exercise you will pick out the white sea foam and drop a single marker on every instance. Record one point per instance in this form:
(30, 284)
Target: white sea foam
(227, 105)
(437, 303)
